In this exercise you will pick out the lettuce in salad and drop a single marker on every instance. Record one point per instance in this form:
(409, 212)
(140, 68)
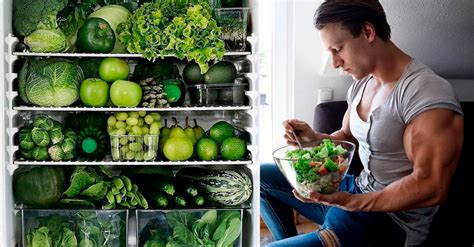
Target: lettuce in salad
(311, 164)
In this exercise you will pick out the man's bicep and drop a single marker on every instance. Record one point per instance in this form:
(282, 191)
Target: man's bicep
(433, 142)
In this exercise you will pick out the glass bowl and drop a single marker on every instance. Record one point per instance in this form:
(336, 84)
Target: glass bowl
(319, 168)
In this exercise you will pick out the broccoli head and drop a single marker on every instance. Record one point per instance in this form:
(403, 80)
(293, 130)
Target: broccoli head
(29, 15)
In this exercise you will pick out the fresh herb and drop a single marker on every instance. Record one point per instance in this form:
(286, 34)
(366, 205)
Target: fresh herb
(182, 28)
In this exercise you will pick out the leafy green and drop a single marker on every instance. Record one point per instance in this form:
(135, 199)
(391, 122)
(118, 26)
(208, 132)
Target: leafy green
(182, 28)
(213, 228)
(47, 40)
(308, 161)
(50, 82)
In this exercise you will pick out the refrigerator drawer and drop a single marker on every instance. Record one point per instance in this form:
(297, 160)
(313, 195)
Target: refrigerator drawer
(74, 227)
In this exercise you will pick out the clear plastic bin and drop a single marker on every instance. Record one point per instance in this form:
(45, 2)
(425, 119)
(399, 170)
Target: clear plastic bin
(233, 23)
(163, 225)
(228, 94)
(134, 147)
(83, 227)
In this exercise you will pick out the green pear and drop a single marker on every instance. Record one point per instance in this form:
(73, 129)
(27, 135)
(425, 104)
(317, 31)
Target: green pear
(198, 130)
(165, 131)
(176, 130)
(189, 132)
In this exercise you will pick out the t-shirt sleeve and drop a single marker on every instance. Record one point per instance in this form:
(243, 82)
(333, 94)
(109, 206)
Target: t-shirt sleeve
(427, 92)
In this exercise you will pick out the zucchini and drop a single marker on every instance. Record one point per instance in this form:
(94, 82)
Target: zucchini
(158, 199)
(180, 201)
(199, 200)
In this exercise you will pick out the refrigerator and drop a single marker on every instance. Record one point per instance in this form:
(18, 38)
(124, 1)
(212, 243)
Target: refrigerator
(16, 114)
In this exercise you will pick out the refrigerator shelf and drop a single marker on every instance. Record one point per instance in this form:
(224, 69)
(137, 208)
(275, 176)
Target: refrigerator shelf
(131, 163)
(114, 109)
(123, 55)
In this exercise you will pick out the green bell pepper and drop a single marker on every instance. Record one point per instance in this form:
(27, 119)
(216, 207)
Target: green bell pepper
(95, 36)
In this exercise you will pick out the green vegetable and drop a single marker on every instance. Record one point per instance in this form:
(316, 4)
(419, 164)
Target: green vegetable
(68, 145)
(76, 203)
(39, 238)
(127, 182)
(40, 153)
(56, 136)
(40, 137)
(30, 15)
(95, 36)
(90, 67)
(179, 201)
(114, 15)
(43, 122)
(161, 184)
(96, 191)
(39, 187)
(56, 153)
(306, 166)
(227, 187)
(159, 200)
(43, 40)
(182, 28)
(199, 200)
(161, 69)
(80, 179)
(50, 82)
(26, 140)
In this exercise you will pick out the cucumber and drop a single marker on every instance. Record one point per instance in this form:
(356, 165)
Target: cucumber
(159, 200)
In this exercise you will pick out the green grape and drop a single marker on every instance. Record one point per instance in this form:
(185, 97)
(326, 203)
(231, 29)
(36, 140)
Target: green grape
(124, 149)
(132, 121)
(123, 140)
(149, 155)
(133, 114)
(115, 154)
(156, 116)
(128, 128)
(110, 129)
(130, 155)
(136, 130)
(145, 130)
(140, 122)
(121, 116)
(139, 156)
(142, 113)
(149, 119)
(154, 129)
(111, 121)
(121, 132)
(120, 125)
(134, 146)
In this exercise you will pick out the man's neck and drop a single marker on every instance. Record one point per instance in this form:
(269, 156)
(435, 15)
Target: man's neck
(390, 63)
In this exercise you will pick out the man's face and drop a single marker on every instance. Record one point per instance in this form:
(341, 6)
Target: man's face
(350, 54)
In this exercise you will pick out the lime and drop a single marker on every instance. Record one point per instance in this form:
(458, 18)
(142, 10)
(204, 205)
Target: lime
(206, 149)
(233, 148)
(221, 131)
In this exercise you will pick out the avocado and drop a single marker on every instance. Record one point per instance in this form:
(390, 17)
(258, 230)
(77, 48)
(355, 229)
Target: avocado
(192, 73)
(220, 73)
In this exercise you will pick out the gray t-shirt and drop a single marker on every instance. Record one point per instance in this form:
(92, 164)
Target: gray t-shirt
(381, 136)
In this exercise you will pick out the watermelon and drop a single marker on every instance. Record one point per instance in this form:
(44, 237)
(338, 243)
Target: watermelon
(227, 187)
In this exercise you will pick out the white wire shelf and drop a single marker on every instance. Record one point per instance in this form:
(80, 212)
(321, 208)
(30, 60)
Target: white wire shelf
(111, 109)
(123, 55)
(131, 163)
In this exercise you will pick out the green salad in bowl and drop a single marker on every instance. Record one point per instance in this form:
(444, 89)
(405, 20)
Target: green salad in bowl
(320, 168)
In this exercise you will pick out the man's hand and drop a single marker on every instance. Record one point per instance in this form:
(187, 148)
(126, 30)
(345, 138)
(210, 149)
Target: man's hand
(304, 132)
(337, 199)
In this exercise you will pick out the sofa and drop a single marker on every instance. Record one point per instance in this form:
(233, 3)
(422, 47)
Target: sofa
(451, 225)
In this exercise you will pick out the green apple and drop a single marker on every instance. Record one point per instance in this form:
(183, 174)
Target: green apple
(112, 69)
(94, 92)
(125, 93)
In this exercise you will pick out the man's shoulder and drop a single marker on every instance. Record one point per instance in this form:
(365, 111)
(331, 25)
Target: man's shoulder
(419, 75)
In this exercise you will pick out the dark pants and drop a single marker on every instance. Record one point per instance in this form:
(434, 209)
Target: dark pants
(337, 225)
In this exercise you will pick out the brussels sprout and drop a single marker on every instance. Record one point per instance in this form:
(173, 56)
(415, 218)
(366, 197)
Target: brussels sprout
(57, 125)
(26, 141)
(56, 153)
(27, 154)
(43, 122)
(24, 133)
(56, 136)
(68, 145)
(70, 155)
(40, 137)
(40, 153)
(69, 133)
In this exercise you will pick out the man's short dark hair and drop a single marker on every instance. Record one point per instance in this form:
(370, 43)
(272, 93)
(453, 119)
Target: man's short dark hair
(352, 15)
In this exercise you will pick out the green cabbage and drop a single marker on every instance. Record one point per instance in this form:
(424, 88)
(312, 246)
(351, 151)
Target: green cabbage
(50, 82)
(43, 40)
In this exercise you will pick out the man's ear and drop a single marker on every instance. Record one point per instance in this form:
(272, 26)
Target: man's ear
(368, 30)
